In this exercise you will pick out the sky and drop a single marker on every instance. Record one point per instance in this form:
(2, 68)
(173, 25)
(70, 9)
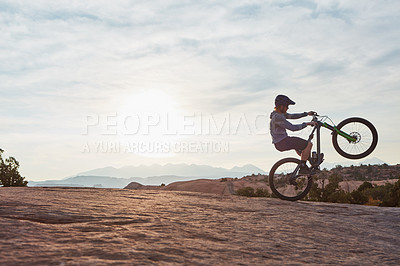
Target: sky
(90, 84)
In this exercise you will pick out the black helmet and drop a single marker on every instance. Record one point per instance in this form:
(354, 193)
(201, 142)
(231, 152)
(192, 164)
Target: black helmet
(283, 100)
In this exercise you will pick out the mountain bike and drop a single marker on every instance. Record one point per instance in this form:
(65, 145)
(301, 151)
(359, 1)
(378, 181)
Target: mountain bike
(353, 138)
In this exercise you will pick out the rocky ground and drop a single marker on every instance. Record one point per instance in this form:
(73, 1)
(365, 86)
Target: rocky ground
(59, 226)
(229, 186)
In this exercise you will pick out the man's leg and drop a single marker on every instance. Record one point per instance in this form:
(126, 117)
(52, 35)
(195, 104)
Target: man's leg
(306, 152)
(304, 170)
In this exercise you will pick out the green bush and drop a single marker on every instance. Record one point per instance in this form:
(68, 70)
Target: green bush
(328, 194)
(358, 197)
(260, 192)
(393, 197)
(249, 192)
(9, 174)
(387, 195)
(339, 196)
(315, 193)
(365, 185)
(245, 191)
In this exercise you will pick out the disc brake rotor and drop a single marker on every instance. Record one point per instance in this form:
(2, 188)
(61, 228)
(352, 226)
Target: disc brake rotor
(355, 135)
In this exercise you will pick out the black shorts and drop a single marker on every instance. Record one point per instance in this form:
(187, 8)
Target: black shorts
(291, 143)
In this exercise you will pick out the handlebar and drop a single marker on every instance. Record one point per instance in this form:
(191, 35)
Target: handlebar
(316, 118)
(320, 119)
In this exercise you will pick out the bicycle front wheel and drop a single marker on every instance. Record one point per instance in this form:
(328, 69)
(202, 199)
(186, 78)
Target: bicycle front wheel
(364, 133)
(281, 178)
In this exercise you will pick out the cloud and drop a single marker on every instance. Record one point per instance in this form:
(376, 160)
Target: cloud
(60, 61)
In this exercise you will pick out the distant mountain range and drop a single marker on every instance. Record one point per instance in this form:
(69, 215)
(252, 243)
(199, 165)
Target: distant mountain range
(107, 181)
(111, 177)
(192, 170)
(156, 174)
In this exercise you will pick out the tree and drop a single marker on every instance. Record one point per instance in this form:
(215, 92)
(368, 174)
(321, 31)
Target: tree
(315, 193)
(393, 198)
(332, 187)
(364, 186)
(9, 175)
(357, 174)
(331, 192)
(358, 197)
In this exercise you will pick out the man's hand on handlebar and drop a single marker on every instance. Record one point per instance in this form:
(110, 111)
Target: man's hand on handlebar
(311, 113)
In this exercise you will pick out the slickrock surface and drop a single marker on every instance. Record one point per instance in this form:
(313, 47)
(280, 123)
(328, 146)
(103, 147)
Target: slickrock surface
(59, 226)
(224, 186)
(228, 186)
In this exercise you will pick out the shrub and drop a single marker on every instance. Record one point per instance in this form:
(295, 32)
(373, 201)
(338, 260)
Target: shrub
(261, 192)
(339, 196)
(245, 191)
(393, 197)
(358, 197)
(365, 185)
(9, 175)
(315, 193)
(249, 192)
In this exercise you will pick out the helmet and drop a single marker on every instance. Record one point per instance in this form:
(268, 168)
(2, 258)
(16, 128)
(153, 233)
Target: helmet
(283, 100)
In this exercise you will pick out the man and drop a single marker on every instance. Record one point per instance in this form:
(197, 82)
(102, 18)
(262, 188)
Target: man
(280, 138)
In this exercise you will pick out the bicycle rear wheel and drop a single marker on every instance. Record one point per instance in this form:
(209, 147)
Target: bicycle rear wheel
(363, 131)
(280, 178)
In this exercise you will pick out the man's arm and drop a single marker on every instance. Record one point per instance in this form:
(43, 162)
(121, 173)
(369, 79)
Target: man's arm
(292, 127)
(296, 116)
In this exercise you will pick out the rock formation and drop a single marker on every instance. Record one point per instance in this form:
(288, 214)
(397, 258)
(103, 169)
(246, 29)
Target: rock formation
(78, 226)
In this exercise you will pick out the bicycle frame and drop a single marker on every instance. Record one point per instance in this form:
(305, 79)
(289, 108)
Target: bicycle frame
(317, 128)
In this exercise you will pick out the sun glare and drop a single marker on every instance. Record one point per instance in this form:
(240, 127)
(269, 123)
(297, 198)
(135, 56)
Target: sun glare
(152, 113)
(151, 101)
